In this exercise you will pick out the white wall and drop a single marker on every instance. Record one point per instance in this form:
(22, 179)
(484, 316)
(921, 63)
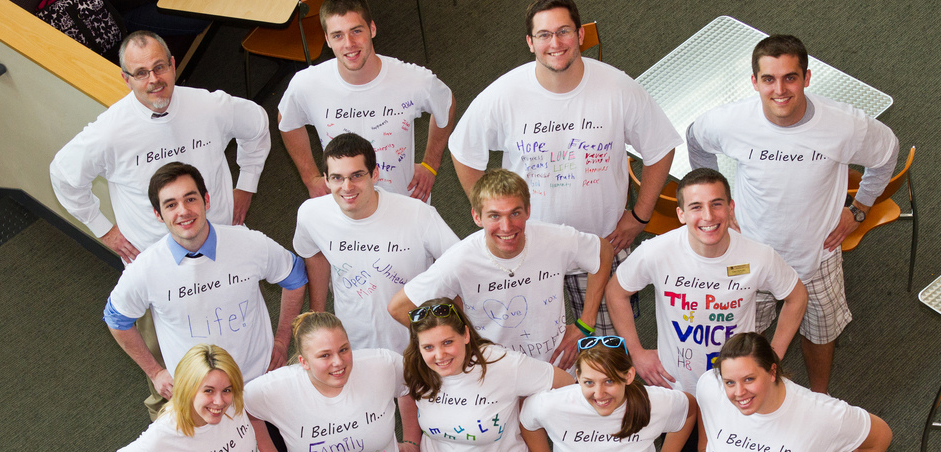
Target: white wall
(40, 111)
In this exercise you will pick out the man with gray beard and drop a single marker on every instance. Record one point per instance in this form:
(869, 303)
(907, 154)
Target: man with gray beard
(158, 123)
(155, 124)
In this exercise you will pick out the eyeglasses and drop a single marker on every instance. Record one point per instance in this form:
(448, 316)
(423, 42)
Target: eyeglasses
(564, 33)
(438, 310)
(337, 179)
(608, 341)
(144, 74)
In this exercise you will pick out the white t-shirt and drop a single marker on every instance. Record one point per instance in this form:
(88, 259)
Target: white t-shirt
(806, 421)
(126, 147)
(573, 424)
(371, 259)
(699, 305)
(382, 111)
(569, 147)
(790, 182)
(481, 416)
(233, 434)
(208, 301)
(525, 313)
(360, 418)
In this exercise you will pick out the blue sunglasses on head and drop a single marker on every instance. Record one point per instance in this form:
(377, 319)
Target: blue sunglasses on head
(608, 341)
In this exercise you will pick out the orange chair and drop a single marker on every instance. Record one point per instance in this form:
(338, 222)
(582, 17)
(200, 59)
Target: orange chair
(885, 210)
(664, 212)
(591, 38)
(302, 40)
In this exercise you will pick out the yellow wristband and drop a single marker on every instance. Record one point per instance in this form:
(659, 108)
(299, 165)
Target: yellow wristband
(429, 168)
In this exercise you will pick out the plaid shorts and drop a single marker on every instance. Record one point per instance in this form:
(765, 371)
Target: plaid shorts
(575, 287)
(827, 312)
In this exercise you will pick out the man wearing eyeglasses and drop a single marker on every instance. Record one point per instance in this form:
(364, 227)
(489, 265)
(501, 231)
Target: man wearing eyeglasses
(370, 241)
(375, 96)
(705, 279)
(158, 123)
(155, 124)
(562, 123)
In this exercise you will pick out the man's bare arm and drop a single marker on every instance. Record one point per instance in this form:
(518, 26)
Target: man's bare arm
(399, 307)
(593, 294)
(653, 179)
(133, 344)
(291, 302)
(467, 175)
(424, 179)
(318, 277)
(647, 362)
(795, 303)
(297, 143)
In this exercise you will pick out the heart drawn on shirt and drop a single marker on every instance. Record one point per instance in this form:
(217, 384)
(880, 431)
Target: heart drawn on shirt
(507, 315)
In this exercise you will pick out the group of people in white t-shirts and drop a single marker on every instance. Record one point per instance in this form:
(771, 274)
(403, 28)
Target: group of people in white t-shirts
(486, 358)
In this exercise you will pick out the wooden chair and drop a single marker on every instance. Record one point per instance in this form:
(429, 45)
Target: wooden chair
(591, 38)
(885, 210)
(190, 52)
(664, 212)
(302, 40)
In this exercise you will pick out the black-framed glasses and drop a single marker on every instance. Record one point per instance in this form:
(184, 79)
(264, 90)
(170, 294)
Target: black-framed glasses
(608, 341)
(437, 310)
(337, 179)
(562, 34)
(144, 74)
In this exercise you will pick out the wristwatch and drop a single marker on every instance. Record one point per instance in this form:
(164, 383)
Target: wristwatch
(858, 215)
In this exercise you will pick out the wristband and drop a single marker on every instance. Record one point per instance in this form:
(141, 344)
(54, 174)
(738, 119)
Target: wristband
(584, 328)
(638, 218)
(429, 168)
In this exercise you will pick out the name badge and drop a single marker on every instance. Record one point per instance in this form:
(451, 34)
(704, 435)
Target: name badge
(735, 270)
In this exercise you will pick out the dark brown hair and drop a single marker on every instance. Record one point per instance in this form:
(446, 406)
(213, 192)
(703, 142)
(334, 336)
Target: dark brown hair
(538, 6)
(169, 173)
(331, 8)
(614, 363)
(701, 176)
(756, 347)
(349, 145)
(776, 45)
(424, 382)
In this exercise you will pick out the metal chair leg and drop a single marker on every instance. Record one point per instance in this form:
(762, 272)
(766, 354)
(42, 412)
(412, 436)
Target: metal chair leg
(302, 9)
(930, 424)
(911, 257)
(421, 26)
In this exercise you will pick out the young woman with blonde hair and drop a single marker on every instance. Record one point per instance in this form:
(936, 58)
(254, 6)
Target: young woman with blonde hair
(320, 403)
(206, 411)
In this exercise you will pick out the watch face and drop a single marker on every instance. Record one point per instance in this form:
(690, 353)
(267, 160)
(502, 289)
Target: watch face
(858, 215)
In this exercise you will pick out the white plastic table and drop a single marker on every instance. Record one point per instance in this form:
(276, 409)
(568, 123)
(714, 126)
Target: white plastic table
(713, 67)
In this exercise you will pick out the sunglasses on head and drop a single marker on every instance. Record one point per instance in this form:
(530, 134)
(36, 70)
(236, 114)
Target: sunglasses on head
(437, 310)
(608, 341)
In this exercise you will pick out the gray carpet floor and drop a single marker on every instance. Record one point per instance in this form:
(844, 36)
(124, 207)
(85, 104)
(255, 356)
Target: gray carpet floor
(67, 385)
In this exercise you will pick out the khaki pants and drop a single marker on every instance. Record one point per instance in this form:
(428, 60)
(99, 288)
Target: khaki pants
(145, 326)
